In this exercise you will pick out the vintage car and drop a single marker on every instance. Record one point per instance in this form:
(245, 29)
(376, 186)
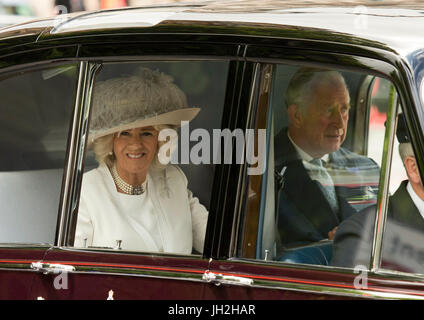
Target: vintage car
(234, 60)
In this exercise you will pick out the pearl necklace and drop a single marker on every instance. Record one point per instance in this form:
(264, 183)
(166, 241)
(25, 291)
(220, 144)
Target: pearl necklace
(126, 187)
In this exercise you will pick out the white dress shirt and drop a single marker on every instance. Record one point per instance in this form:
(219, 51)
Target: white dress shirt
(303, 154)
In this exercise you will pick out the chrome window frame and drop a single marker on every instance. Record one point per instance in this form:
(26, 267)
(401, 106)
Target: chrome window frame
(372, 67)
(77, 145)
(75, 167)
(263, 75)
(383, 193)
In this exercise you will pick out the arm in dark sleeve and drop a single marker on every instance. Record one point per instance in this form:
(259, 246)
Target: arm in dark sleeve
(353, 240)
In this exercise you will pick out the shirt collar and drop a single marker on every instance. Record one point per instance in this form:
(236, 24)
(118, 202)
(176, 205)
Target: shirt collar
(303, 154)
(419, 203)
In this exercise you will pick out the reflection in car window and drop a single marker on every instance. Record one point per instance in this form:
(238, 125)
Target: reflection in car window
(404, 227)
(322, 168)
(141, 193)
(35, 113)
(403, 248)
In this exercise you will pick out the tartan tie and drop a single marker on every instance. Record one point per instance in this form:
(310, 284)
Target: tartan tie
(320, 174)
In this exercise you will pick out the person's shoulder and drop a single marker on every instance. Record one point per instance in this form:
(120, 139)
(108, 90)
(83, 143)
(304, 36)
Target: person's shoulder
(353, 239)
(358, 222)
(281, 137)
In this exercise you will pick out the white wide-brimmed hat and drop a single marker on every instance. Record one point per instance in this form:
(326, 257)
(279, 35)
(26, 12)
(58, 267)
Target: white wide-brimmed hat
(147, 98)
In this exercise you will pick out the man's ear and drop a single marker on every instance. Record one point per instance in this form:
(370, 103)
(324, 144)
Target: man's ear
(412, 169)
(295, 115)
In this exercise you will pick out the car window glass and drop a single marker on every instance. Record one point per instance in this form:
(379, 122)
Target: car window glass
(324, 151)
(138, 102)
(404, 229)
(35, 113)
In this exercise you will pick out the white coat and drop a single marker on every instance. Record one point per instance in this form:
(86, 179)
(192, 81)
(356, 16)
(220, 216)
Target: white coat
(178, 217)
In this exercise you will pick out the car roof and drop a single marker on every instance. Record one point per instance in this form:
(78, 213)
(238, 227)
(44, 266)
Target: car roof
(389, 25)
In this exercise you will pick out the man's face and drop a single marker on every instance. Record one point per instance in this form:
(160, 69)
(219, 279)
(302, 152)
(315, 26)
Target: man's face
(324, 123)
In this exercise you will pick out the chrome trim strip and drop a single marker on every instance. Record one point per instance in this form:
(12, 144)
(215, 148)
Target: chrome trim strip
(93, 68)
(18, 269)
(134, 270)
(316, 289)
(49, 268)
(219, 278)
(406, 279)
(108, 268)
(165, 58)
(25, 245)
(16, 265)
(140, 274)
(400, 277)
(72, 175)
(383, 193)
(137, 253)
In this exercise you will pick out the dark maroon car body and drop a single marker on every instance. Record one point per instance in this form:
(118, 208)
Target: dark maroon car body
(246, 35)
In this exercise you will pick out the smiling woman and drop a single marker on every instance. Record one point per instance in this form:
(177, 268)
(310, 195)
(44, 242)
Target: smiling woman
(134, 152)
(131, 202)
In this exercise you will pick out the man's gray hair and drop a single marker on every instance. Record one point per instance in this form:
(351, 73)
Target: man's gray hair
(405, 150)
(303, 84)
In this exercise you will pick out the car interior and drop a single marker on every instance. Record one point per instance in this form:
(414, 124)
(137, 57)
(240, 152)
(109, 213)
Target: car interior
(363, 92)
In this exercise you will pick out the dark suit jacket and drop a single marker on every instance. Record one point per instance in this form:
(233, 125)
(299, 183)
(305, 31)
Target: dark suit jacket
(353, 241)
(304, 214)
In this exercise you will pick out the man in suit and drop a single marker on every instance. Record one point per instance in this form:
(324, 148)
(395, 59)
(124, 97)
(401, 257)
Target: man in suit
(311, 166)
(354, 237)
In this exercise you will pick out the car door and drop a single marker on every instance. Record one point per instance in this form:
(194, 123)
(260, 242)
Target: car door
(263, 256)
(36, 110)
(116, 273)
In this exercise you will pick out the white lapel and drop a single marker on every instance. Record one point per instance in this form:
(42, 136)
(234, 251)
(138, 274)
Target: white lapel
(169, 197)
(158, 193)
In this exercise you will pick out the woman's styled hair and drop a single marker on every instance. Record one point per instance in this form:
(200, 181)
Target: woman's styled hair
(103, 148)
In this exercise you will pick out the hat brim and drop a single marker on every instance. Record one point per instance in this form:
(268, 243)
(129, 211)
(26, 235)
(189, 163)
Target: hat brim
(172, 118)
